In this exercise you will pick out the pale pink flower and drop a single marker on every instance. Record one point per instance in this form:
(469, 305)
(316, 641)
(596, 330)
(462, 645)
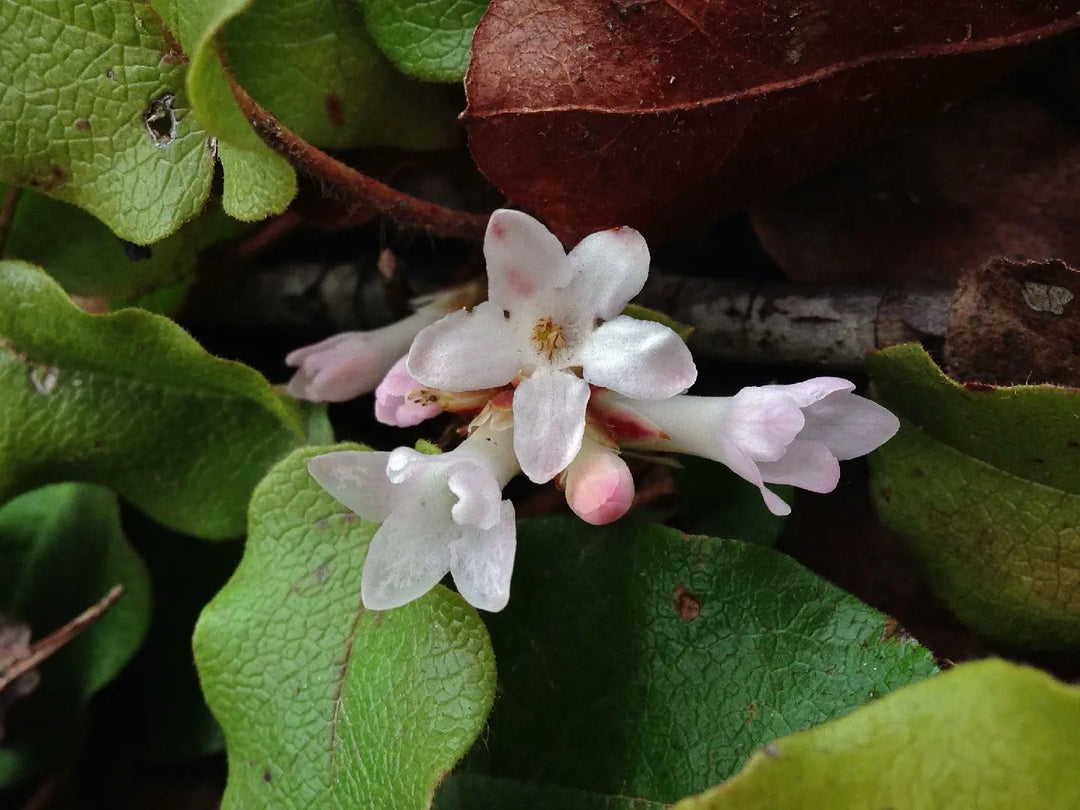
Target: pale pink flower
(552, 322)
(774, 434)
(400, 400)
(598, 484)
(439, 513)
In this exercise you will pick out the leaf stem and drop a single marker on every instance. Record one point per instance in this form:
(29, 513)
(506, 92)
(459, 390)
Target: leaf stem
(7, 213)
(43, 649)
(365, 194)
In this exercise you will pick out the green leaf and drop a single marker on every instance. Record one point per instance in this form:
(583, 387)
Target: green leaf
(76, 85)
(325, 704)
(161, 686)
(990, 735)
(87, 259)
(336, 89)
(431, 40)
(470, 792)
(983, 486)
(130, 401)
(637, 661)
(61, 550)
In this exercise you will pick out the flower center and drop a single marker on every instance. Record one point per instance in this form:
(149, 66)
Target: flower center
(548, 337)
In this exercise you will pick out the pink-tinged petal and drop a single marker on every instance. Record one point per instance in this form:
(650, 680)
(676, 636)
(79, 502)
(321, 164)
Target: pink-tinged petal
(736, 460)
(478, 494)
(639, 359)
(393, 403)
(358, 480)
(406, 558)
(340, 368)
(763, 422)
(482, 561)
(610, 268)
(599, 486)
(849, 425)
(466, 351)
(807, 465)
(524, 260)
(549, 422)
(808, 392)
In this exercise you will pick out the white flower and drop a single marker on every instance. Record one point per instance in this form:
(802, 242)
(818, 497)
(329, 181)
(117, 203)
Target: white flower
(439, 513)
(775, 434)
(351, 364)
(549, 315)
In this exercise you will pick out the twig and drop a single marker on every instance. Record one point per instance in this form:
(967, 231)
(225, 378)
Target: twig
(41, 650)
(365, 194)
(7, 213)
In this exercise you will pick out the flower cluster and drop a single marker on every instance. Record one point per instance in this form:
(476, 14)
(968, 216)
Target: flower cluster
(556, 381)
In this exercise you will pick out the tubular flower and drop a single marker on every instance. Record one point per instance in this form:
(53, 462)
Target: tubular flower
(351, 364)
(552, 325)
(773, 434)
(401, 401)
(439, 513)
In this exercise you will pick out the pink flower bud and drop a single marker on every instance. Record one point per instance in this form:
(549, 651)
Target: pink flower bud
(399, 399)
(599, 487)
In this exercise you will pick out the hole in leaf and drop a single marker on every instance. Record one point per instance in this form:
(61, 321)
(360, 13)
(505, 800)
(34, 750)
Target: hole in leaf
(160, 120)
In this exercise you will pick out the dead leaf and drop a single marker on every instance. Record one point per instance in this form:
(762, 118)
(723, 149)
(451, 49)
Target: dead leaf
(1016, 323)
(658, 114)
(995, 177)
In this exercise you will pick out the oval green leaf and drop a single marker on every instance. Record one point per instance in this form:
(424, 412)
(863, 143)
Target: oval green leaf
(983, 486)
(640, 662)
(990, 735)
(61, 550)
(323, 703)
(131, 401)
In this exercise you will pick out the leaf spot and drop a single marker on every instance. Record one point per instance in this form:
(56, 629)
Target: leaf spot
(685, 603)
(772, 750)
(43, 379)
(160, 120)
(334, 111)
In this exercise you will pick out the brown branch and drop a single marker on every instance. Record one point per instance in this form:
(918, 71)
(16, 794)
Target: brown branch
(7, 213)
(41, 650)
(365, 194)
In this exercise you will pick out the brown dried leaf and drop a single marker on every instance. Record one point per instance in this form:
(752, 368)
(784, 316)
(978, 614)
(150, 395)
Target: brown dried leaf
(660, 113)
(1016, 323)
(996, 177)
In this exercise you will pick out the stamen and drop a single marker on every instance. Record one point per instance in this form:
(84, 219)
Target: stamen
(548, 337)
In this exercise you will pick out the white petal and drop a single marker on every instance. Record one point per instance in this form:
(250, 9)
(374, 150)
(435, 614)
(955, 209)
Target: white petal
(763, 422)
(343, 367)
(807, 465)
(746, 468)
(524, 259)
(610, 268)
(478, 492)
(549, 421)
(407, 557)
(356, 479)
(808, 392)
(849, 425)
(482, 562)
(639, 359)
(466, 351)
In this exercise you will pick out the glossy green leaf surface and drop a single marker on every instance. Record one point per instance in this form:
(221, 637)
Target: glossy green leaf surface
(79, 86)
(323, 703)
(983, 485)
(131, 401)
(61, 550)
(990, 735)
(637, 661)
(470, 792)
(429, 40)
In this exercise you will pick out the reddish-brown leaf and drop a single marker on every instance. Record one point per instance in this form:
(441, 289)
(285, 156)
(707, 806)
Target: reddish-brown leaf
(662, 113)
(995, 177)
